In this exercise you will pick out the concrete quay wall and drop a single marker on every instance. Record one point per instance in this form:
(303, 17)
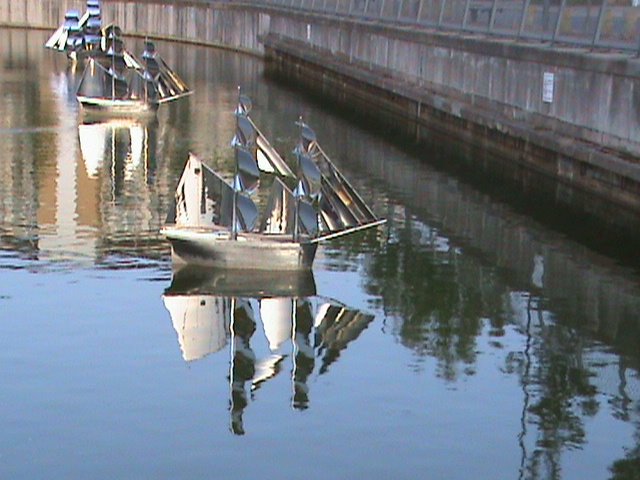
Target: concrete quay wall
(214, 24)
(482, 91)
(478, 89)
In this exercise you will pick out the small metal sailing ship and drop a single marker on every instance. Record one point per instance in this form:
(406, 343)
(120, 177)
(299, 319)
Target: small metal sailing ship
(78, 35)
(217, 224)
(114, 81)
(117, 83)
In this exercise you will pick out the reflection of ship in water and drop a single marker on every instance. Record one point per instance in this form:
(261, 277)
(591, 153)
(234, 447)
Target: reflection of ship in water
(120, 155)
(65, 83)
(99, 202)
(212, 308)
(123, 142)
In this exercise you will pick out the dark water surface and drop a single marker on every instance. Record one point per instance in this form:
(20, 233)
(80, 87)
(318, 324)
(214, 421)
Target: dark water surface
(463, 340)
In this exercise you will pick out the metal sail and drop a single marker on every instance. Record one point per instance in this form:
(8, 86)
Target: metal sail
(307, 188)
(250, 137)
(116, 75)
(58, 41)
(307, 218)
(269, 160)
(117, 57)
(307, 137)
(113, 61)
(176, 86)
(280, 214)
(341, 208)
(309, 177)
(113, 80)
(110, 33)
(140, 89)
(334, 212)
(92, 25)
(248, 175)
(244, 105)
(278, 217)
(339, 185)
(69, 35)
(169, 84)
(245, 136)
(94, 80)
(204, 199)
(117, 85)
(114, 51)
(247, 213)
(77, 32)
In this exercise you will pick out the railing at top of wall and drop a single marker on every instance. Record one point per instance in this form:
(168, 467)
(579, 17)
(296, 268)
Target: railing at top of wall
(603, 24)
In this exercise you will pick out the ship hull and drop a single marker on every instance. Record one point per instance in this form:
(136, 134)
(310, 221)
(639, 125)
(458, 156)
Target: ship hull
(249, 252)
(106, 107)
(195, 279)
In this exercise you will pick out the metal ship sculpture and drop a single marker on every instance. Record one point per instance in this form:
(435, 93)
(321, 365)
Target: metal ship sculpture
(78, 35)
(216, 223)
(116, 83)
(270, 323)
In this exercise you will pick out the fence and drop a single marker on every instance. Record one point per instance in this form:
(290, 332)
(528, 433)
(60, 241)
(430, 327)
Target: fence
(608, 24)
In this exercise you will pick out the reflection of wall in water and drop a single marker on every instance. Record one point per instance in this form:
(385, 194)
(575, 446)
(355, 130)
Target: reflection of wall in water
(214, 77)
(63, 212)
(26, 162)
(444, 300)
(42, 117)
(80, 197)
(120, 158)
(602, 297)
(468, 267)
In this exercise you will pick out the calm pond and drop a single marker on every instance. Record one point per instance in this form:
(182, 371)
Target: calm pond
(476, 335)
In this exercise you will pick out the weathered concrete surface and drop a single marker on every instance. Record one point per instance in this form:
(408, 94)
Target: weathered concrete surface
(223, 25)
(473, 87)
(588, 136)
(551, 151)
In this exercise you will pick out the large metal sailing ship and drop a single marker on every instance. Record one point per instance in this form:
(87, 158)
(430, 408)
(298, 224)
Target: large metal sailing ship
(216, 223)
